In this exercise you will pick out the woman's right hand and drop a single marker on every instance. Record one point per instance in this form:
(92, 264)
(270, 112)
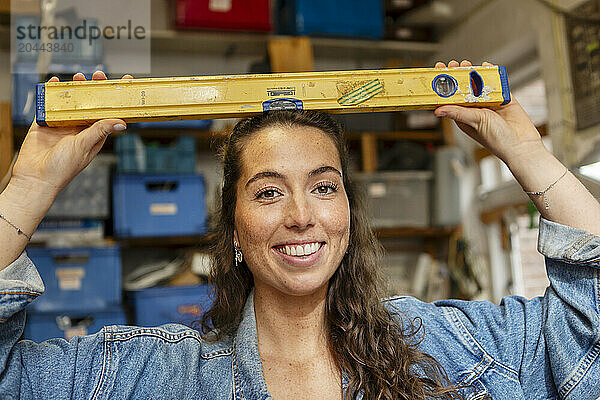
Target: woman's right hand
(48, 160)
(51, 157)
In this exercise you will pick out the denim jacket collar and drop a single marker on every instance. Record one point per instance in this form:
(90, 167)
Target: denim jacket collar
(248, 378)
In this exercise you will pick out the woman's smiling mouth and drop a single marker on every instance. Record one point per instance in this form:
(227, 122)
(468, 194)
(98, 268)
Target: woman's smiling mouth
(299, 250)
(300, 254)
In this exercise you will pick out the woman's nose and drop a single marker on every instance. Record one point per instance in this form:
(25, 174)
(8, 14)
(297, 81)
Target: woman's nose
(299, 213)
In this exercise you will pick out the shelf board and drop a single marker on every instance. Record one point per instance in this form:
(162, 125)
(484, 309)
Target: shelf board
(202, 134)
(425, 135)
(168, 241)
(429, 232)
(243, 43)
(255, 44)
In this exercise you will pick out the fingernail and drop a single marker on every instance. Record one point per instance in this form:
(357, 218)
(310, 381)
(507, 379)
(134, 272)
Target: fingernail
(119, 127)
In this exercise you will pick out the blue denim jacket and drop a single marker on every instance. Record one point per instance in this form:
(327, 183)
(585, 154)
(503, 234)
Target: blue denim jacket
(544, 348)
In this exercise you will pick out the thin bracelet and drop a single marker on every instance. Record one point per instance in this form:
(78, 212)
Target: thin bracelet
(19, 231)
(543, 192)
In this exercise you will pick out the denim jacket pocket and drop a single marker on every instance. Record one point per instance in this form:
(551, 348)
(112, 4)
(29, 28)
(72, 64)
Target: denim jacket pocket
(167, 362)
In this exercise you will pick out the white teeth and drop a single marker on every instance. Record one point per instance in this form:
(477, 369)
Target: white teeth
(307, 248)
(300, 250)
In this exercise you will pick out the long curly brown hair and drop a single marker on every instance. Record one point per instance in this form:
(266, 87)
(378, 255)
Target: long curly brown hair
(370, 343)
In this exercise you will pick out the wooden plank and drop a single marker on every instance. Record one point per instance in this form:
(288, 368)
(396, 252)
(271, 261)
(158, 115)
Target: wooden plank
(5, 6)
(495, 215)
(7, 149)
(448, 132)
(480, 153)
(369, 152)
(291, 54)
(22, 7)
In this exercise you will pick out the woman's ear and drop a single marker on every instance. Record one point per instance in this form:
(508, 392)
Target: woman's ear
(236, 241)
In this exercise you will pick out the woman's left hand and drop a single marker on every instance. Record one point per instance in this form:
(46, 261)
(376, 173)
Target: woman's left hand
(505, 131)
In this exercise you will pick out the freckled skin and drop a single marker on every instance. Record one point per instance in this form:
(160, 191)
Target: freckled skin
(294, 211)
(289, 299)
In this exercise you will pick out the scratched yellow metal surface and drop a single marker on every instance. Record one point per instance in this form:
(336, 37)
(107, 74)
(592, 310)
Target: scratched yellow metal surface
(202, 97)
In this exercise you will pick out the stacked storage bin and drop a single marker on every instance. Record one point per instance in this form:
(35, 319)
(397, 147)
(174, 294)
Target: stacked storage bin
(25, 79)
(350, 18)
(64, 49)
(398, 199)
(77, 216)
(246, 15)
(83, 292)
(68, 58)
(88, 194)
(156, 191)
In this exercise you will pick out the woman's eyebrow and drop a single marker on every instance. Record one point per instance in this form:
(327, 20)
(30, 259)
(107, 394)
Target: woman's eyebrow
(265, 174)
(322, 170)
(277, 175)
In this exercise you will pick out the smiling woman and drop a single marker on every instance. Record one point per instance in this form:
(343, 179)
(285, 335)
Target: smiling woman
(287, 198)
(310, 266)
(298, 313)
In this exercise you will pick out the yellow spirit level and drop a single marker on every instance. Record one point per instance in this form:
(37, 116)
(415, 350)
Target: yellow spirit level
(203, 97)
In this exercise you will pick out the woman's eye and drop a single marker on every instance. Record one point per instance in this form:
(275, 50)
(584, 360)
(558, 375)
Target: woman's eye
(267, 194)
(325, 189)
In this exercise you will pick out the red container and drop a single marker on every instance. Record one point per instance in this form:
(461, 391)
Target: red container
(246, 15)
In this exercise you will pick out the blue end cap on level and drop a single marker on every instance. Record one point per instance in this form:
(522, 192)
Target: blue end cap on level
(40, 104)
(504, 82)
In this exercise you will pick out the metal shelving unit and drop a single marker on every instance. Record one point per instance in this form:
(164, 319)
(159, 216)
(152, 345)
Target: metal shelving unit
(228, 43)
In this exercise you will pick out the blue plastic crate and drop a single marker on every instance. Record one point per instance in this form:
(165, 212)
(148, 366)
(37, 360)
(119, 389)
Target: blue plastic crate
(352, 18)
(88, 194)
(85, 278)
(159, 205)
(23, 103)
(178, 159)
(136, 156)
(25, 79)
(44, 326)
(170, 304)
(184, 124)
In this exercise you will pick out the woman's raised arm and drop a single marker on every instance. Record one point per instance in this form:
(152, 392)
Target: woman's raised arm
(549, 344)
(508, 133)
(48, 160)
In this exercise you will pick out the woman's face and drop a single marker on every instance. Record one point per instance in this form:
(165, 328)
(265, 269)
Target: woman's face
(292, 218)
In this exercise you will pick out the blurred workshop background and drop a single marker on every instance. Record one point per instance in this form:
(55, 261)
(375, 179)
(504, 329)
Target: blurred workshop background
(126, 241)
